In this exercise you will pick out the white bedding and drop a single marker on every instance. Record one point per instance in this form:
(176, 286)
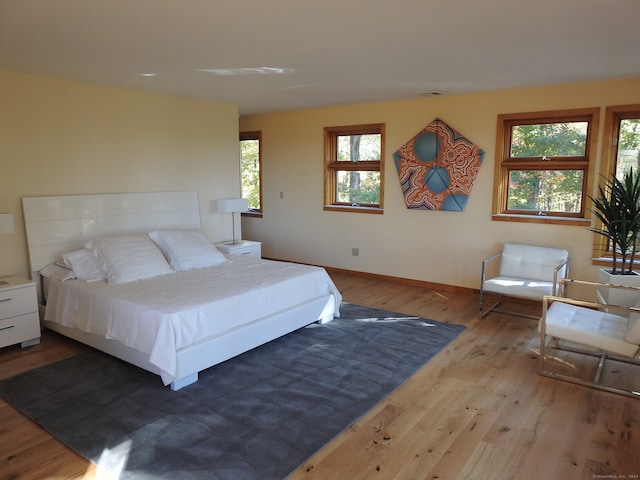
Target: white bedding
(161, 315)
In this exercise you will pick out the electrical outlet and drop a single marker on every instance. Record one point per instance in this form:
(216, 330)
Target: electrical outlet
(355, 251)
(281, 195)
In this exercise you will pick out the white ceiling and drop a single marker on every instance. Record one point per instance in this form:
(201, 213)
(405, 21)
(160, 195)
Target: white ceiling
(279, 55)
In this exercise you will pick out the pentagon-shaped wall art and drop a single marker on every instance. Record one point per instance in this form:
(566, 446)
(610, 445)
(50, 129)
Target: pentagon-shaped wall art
(437, 168)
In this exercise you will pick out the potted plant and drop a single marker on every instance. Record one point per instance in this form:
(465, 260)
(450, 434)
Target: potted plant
(617, 207)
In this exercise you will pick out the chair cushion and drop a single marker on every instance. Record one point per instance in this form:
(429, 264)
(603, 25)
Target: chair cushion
(532, 262)
(594, 328)
(518, 287)
(633, 328)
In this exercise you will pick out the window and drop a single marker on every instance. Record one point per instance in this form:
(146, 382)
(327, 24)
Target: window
(543, 165)
(620, 152)
(622, 139)
(251, 170)
(354, 166)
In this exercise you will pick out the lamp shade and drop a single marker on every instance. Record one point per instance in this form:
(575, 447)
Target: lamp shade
(227, 205)
(6, 223)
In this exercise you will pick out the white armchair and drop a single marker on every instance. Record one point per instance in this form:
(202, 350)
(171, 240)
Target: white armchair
(600, 330)
(525, 271)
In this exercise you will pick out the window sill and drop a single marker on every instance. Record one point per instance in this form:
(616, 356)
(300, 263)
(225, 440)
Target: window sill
(547, 219)
(352, 209)
(607, 262)
(252, 214)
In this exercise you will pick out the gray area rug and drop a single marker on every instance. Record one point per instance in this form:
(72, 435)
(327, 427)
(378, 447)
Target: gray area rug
(257, 416)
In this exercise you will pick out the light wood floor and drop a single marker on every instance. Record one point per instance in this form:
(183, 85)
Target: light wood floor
(478, 410)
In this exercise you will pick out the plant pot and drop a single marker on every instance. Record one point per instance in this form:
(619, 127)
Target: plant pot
(618, 296)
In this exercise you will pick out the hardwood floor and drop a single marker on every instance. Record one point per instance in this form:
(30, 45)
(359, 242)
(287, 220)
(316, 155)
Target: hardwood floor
(478, 410)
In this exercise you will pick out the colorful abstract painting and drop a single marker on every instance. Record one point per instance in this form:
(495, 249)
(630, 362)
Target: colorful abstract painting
(437, 168)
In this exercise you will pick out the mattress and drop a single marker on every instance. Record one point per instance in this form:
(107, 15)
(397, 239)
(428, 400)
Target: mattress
(162, 315)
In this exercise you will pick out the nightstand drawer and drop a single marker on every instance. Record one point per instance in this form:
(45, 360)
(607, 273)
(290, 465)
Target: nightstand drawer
(18, 329)
(243, 247)
(248, 250)
(18, 301)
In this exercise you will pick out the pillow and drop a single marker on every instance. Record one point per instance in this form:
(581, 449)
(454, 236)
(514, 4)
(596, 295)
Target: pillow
(85, 265)
(127, 258)
(54, 270)
(187, 249)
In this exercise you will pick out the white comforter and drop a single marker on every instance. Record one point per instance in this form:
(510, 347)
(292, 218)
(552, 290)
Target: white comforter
(162, 315)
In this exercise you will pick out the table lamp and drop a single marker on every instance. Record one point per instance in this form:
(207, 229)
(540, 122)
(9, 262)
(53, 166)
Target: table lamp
(232, 205)
(6, 223)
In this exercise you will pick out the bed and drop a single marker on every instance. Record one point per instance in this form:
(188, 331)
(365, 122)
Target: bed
(174, 315)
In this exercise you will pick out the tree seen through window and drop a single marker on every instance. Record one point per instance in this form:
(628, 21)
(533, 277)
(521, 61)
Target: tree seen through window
(250, 169)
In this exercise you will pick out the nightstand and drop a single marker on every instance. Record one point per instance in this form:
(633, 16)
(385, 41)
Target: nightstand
(241, 247)
(19, 320)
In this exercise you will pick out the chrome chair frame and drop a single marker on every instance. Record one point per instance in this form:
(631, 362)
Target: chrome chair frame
(602, 356)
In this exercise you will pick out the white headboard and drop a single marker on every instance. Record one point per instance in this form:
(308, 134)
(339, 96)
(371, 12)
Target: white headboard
(61, 224)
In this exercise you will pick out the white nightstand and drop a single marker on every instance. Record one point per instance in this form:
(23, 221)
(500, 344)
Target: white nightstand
(19, 320)
(241, 247)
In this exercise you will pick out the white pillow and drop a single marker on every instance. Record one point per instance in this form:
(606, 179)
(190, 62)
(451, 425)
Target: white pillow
(187, 249)
(53, 270)
(127, 258)
(85, 265)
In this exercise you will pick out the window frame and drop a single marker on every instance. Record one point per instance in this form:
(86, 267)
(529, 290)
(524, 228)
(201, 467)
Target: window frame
(253, 135)
(332, 166)
(608, 164)
(505, 164)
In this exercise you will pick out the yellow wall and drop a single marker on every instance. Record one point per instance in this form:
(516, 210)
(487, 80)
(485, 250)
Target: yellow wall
(64, 138)
(434, 246)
